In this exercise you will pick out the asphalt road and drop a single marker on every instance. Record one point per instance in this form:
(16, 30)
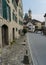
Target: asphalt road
(37, 44)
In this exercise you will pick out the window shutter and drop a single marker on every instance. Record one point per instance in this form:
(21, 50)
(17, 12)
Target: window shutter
(4, 5)
(9, 14)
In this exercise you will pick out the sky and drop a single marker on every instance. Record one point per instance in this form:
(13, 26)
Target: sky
(38, 8)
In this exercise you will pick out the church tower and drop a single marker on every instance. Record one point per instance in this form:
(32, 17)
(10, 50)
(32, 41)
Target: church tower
(29, 14)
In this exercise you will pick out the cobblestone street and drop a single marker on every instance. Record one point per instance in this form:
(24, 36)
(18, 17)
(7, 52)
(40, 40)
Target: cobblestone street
(15, 54)
(37, 45)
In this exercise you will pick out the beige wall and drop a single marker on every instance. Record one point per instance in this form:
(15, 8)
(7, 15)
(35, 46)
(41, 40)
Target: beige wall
(11, 24)
(38, 24)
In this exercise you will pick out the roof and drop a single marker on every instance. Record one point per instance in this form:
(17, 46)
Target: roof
(34, 21)
(27, 22)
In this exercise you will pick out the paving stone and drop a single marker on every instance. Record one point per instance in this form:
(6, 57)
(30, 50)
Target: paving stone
(14, 55)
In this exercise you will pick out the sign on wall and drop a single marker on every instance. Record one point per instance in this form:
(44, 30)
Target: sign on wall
(0, 7)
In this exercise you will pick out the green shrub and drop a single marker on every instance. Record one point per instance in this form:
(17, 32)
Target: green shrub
(24, 31)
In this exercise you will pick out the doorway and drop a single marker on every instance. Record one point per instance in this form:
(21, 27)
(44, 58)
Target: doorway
(13, 34)
(4, 35)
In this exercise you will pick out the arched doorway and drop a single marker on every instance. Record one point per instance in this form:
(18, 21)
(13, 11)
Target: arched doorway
(13, 34)
(4, 35)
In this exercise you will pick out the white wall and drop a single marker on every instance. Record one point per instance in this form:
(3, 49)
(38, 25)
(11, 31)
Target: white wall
(31, 26)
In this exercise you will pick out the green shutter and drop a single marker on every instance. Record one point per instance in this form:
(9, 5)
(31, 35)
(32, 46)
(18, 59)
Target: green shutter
(4, 5)
(9, 14)
(13, 16)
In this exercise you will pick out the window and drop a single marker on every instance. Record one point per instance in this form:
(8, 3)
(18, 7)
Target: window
(17, 2)
(14, 3)
(6, 10)
(4, 7)
(16, 29)
(8, 13)
(14, 17)
(20, 13)
(20, 22)
(13, 34)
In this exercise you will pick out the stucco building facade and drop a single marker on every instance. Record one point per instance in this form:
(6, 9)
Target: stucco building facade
(11, 19)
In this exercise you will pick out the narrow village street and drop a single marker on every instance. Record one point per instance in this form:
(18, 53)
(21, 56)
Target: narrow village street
(22, 32)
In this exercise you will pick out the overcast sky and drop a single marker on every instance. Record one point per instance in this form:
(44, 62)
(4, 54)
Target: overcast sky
(38, 8)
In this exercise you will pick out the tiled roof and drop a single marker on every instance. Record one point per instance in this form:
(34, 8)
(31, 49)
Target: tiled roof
(34, 20)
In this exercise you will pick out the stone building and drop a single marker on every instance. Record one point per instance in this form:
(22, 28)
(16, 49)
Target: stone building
(38, 24)
(11, 20)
